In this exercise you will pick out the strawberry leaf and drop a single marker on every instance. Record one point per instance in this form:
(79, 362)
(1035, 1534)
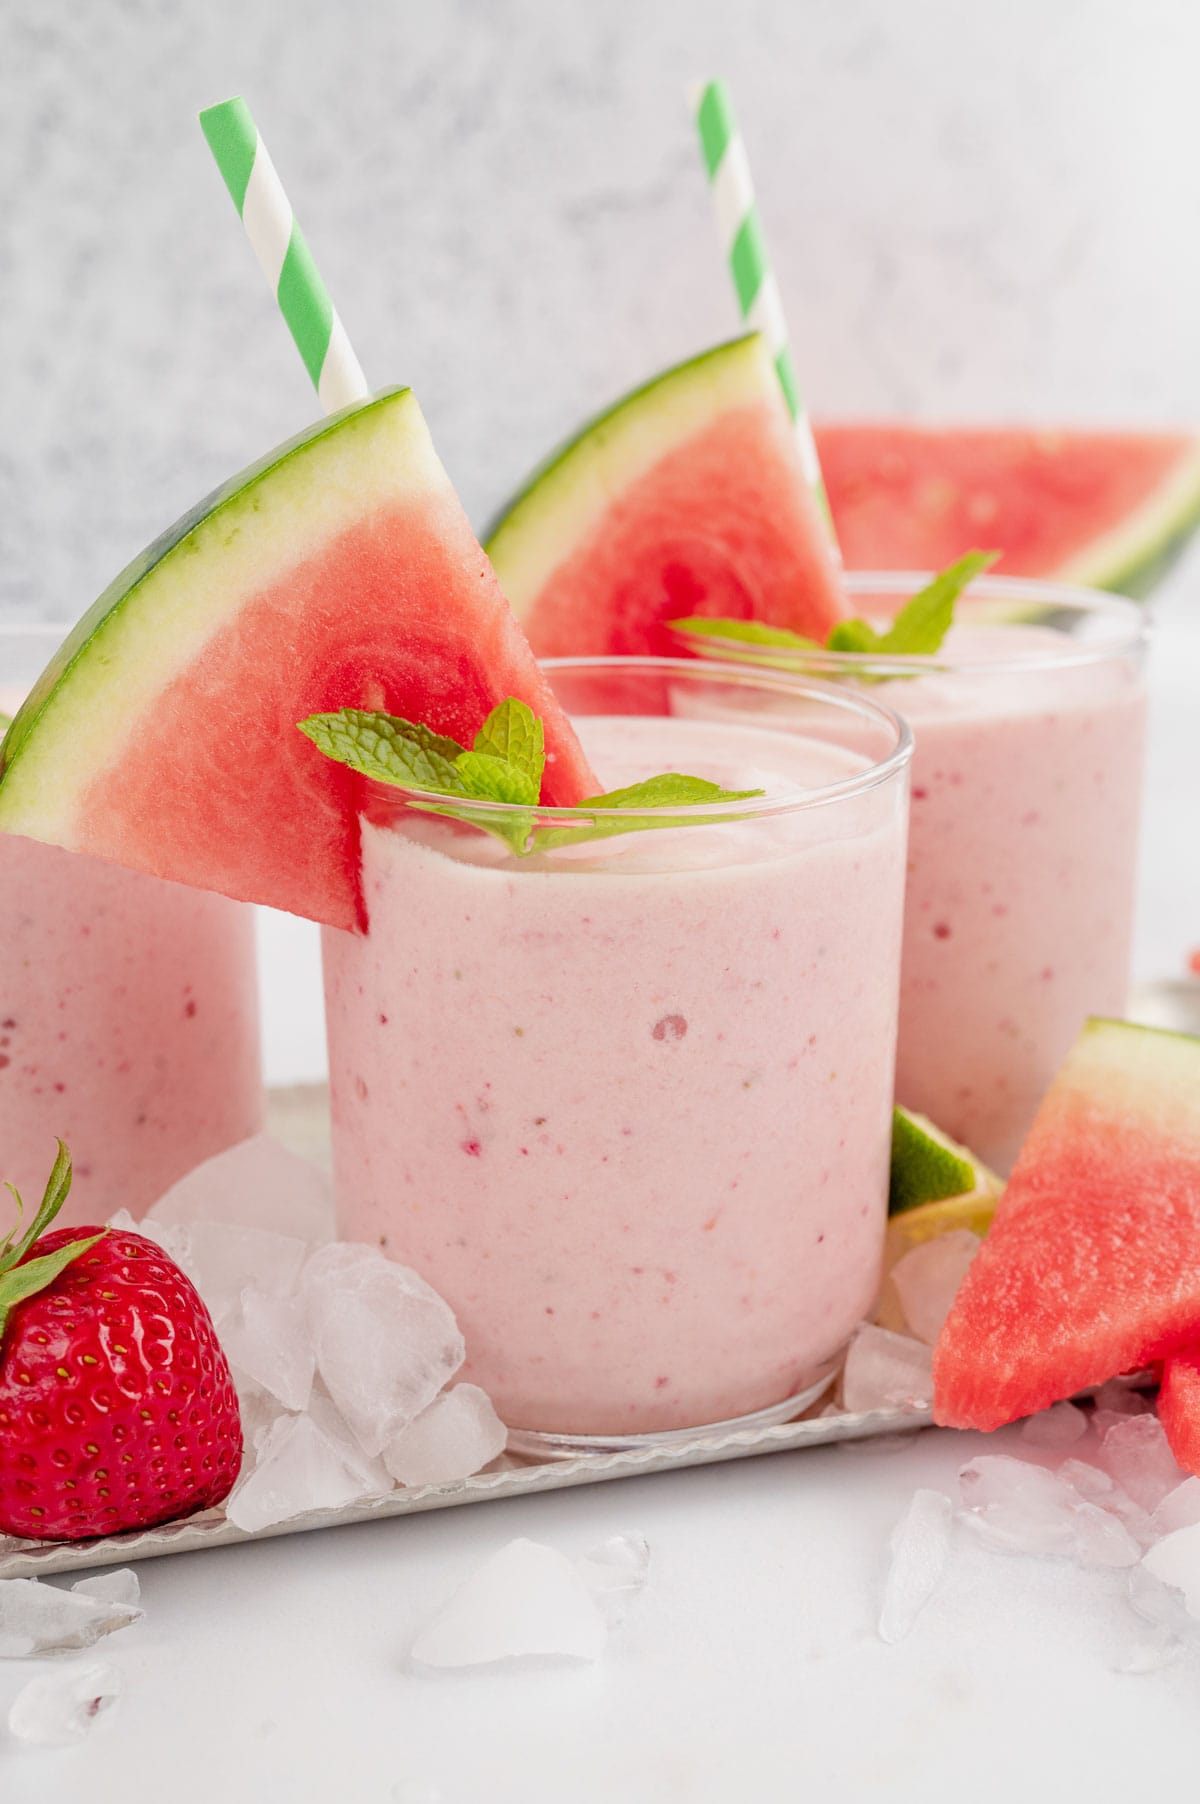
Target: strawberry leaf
(54, 1196)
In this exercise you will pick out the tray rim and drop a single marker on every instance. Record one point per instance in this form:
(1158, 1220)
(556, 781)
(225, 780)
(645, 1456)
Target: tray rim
(211, 1529)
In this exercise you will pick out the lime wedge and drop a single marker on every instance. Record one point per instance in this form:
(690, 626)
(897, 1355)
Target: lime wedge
(927, 1166)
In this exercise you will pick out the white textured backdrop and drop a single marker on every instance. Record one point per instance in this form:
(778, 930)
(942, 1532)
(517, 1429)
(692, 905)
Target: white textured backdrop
(986, 209)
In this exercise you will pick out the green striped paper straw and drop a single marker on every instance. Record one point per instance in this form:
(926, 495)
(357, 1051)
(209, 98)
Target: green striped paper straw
(745, 247)
(283, 253)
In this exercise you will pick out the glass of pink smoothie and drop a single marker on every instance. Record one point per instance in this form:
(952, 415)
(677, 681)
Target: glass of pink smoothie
(128, 1012)
(1026, 794)
(626, 1103)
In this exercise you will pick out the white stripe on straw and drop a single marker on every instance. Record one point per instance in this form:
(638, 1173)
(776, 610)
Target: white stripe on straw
(283, 255)
(744, 248)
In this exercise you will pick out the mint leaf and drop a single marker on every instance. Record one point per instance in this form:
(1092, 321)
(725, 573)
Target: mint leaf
(504, 765)
(917, 631)
(388, 749)
(672, 790)
(495, 779)
(852, 635)
(745, 632)
(513, 731)
(922, 624)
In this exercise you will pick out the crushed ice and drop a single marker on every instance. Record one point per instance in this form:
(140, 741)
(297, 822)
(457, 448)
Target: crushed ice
(526, 1600)
(886, 1371)
(927, 1280)
(919, 1548)
(340, 1356)
(37, 1618)
(454, 1436)
(63, 1706)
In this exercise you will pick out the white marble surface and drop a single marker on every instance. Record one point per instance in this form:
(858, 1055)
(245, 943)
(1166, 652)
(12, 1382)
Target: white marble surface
(748, 1672)
(978, 210)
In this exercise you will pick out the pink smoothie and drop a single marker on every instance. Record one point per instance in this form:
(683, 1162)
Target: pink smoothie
(1023, 840)
(628, 1107)
(128, 1027)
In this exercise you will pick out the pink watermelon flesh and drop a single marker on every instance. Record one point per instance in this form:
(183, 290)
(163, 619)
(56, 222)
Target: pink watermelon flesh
(1092, 1264)
(721, 525)
(1179, 1407)
(911, 497)
(402, 613)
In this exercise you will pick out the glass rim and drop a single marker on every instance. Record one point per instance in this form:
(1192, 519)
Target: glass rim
(788, 801)
(1133, 618)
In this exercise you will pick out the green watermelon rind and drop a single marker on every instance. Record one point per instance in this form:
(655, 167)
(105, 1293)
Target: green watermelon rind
(574, 487)
(1133, 557)
(39, 753)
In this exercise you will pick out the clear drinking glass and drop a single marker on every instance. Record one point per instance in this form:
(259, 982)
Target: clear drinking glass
(1026, 795)
(626, 1103)
(128, 1012)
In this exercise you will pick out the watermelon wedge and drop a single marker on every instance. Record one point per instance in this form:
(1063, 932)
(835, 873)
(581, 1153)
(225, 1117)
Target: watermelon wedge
(1092, 1264)
(1179, 1407)
(1108, 509)
(339, 571)
(685, 498)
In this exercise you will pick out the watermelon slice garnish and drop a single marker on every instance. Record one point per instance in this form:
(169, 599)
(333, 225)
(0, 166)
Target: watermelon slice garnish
(340, 571)
(685, 498)
(1092, 1264)
(1109, 509)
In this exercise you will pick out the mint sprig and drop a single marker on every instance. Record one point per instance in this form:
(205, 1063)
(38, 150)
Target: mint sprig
(504, 764)
(917, 631)
(19, 1281)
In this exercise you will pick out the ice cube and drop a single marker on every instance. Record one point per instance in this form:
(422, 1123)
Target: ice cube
(1160, 1605)
(256, 1184)
(885, 1370)
(269, 1340)
(60, 1707)
(1017, 1507)
(927, 1280)
(371, 1474)
(119, 1586)
(1180, 1508)
(297, 1469)
(1059, 1426)
(1135, 1450)
(224, 1261)
(526, 1599)
(618, 1563)
(386, 1343)
(42, 1619)
(456, 1435)
(920, 1547)
(1099, 1488)
(1175, 1561)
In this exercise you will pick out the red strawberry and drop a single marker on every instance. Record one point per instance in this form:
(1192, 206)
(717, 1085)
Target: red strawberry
(117, 1409)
